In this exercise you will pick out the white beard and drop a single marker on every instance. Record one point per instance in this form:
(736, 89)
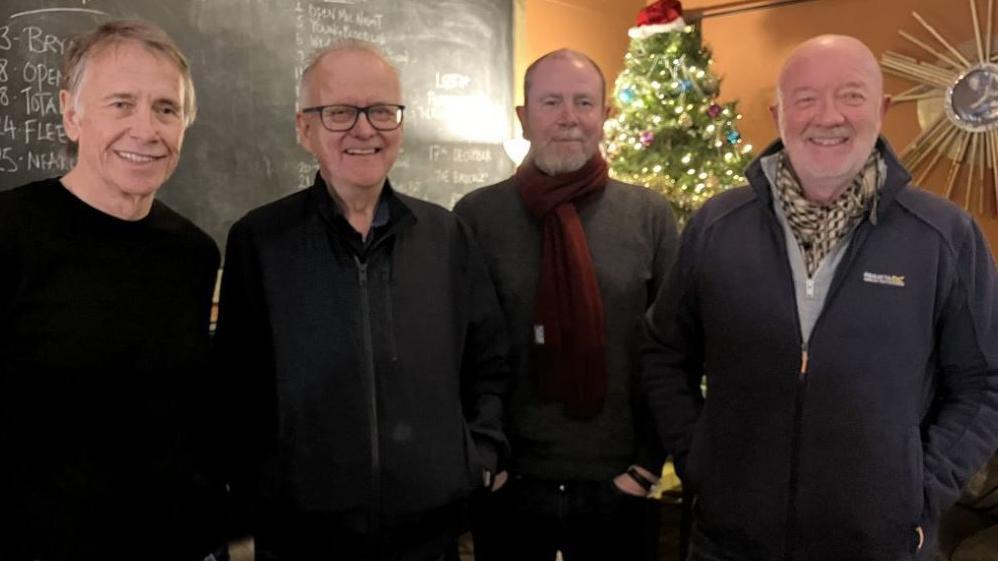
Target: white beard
(557, 165)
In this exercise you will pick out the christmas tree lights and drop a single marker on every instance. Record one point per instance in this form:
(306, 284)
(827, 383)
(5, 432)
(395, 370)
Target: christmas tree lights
(670, 133)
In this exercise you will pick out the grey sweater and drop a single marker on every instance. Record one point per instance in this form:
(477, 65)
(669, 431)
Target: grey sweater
(632, 236)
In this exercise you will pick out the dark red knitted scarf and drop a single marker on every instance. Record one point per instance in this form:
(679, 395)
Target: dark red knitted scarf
(570, 324)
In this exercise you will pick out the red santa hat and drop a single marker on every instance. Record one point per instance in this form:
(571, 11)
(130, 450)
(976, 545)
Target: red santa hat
(661, 17)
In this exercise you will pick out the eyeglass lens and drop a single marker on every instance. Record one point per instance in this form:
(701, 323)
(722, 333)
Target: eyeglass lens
(344, 116)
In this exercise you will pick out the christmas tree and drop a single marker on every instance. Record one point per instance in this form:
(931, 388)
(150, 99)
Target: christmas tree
(669, 133)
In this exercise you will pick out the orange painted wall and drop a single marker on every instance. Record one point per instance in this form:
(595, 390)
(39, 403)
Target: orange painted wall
(749, 48)
(595, 27)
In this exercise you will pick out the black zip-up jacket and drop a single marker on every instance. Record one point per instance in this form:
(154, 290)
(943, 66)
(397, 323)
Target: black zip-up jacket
(838, 453)
(366, 379)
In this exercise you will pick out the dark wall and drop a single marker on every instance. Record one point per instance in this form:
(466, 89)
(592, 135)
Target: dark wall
(455, 59)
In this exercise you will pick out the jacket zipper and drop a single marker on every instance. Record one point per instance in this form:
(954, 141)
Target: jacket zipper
(801, 381)
(795, 447)
(372, 397)
(390, 316)
(374, 508)
(840, 271)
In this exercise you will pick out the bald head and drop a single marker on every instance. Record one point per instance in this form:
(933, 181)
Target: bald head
(339, 49)
(823, 50)
(829, 109)
(578, 58)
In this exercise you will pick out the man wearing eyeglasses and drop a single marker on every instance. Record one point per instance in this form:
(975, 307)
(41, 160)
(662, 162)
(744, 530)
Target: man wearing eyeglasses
(363, 342)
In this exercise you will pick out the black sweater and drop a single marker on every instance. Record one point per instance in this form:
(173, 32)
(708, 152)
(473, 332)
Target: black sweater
(103, 340)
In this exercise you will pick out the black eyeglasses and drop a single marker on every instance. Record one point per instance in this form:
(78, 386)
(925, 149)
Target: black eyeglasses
(340, 118)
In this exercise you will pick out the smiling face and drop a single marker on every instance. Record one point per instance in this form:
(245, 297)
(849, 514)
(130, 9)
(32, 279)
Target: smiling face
(127, 120)
(563, 114)
(829, 111)
(360, 158)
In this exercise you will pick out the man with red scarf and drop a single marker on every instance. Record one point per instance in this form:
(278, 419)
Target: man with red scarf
(576, 258)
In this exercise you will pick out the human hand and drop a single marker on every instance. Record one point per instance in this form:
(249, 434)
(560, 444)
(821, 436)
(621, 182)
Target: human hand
(627, 483)
(500, 480)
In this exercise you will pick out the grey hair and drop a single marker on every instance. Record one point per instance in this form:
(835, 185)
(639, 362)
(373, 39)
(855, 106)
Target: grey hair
(83, 47)
(347, 44)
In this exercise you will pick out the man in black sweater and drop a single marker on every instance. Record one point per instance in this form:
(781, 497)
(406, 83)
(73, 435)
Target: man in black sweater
(105, 295)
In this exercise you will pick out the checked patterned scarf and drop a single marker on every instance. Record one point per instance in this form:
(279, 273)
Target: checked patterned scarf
(818, 228)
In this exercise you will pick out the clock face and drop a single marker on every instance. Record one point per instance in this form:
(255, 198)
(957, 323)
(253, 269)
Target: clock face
(958, 90)
(972, 100)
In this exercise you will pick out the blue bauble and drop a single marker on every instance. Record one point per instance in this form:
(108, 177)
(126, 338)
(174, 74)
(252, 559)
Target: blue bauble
(734, 137)
(626, 95)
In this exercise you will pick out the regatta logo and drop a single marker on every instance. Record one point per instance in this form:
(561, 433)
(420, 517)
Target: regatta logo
(889, 280)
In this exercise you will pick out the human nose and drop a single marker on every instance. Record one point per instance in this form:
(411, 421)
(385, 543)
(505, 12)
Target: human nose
(567, 116)
(829, 114)
(362, 127)
(144, 124)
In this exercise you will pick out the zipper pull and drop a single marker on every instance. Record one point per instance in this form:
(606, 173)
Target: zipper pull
(361, 273)
(803, 360)
(809, 287)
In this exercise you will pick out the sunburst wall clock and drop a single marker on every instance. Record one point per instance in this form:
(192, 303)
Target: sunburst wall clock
(965, 132)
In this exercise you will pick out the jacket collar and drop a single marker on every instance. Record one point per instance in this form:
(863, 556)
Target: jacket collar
(897, 177)
(391, 209)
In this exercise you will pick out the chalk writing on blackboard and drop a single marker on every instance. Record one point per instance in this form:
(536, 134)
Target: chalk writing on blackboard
(455, 61)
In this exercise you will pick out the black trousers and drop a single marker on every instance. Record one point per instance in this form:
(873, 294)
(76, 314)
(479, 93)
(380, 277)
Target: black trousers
(702, 548)
(297, 536)
(530, 520)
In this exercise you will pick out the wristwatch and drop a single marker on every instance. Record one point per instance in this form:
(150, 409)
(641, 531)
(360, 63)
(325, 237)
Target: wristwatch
(640, 479)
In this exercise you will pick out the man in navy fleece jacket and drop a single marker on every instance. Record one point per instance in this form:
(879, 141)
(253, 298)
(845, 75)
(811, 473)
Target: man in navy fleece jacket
(847, 323)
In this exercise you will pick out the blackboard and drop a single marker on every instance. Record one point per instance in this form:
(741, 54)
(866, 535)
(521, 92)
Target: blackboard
(455, 59)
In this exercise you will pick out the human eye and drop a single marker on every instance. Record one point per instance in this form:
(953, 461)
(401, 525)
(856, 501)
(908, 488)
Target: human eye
(804, 100)
(339, 113)
(853, 97)
(119, 105)
(382, 113)
(167, 111)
